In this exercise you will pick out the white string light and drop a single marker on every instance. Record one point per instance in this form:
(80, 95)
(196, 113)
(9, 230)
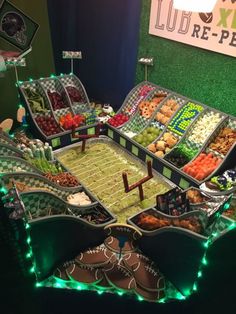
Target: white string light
(195, 5)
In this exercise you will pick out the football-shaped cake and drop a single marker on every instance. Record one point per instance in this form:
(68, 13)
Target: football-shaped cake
(132, 258)
(87, 275)
(97, 256)
(144, 272)
(120, 277)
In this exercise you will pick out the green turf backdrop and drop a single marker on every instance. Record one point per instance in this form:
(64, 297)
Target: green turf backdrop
(196, 73)
(39, 62)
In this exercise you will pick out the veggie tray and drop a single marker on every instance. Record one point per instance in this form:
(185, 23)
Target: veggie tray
(39, 108)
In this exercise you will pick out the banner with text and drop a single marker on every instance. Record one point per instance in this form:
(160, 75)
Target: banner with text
(214, 31)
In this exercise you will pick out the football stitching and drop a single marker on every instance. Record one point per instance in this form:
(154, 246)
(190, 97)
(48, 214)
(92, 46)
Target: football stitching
(86, 267)
(92, 251)
(151, 270)
(143, 257)
(68, 263)
(124, 271)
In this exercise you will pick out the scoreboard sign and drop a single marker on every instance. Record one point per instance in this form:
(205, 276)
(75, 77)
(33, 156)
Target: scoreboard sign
(214, 31)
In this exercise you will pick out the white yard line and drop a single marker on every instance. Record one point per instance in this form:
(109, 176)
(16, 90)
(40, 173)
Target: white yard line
(96, 173)
(109, 205)
(76, 160)
(111, 187)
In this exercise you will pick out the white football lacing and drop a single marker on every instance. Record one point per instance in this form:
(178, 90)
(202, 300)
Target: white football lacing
(123, 270)
(68, 263)
(92, 251)
(150, 270)
(143, 257)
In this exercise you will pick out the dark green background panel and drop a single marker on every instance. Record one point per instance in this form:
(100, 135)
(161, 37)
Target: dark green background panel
(39, 62)
(196, 73)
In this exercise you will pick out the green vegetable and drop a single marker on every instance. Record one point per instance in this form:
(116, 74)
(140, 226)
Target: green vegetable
(44, 165)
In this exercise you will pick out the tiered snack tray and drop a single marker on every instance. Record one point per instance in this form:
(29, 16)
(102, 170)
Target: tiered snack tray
(78, 234)
(82, 104)
(179, 244)
(160, 120)
(53, 85)
(26, 181)
(38, 106)
(185, 116)
(5, 139)
(40, 204)
(44, 120)
(13, 164)
(9, 150)
(141, 119)
(183, 125)
(130, 105)
(135, 96)
(194, 141)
